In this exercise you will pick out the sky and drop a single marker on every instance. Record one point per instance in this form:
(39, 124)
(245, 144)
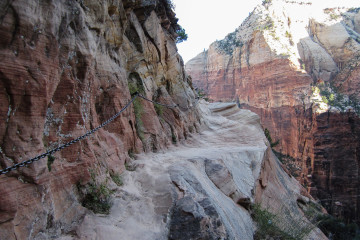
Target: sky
(207, 20)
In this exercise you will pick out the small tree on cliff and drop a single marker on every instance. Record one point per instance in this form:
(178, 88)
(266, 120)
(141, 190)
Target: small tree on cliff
(170, 4)
(182, 36)
(268, 136)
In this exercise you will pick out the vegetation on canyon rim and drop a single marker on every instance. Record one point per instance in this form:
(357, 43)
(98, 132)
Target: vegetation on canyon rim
(332, 97)
(50, 161)
(136, 87)
(117, 179)
(269, 138)
(96, 196)
(229, 43)
(269, 224)
(202, 94)
(285, 159)
(159, 109)
(336, 229)
(180, 31)
(182, 35)
(336, 96)
(332, 227)
(273, 226)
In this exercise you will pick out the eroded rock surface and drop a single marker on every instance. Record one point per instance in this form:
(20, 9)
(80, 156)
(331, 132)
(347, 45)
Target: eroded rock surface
(192, 191)
(65, 69)
(272, 64)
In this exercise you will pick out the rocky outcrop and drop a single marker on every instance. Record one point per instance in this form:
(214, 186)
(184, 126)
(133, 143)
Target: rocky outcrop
(291, 62)
(65, 69)
(205, 188)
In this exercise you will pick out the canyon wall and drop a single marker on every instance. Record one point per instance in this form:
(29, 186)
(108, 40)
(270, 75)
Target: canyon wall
(69, 66)
(207, 188)
(296, 65)
(65, 69)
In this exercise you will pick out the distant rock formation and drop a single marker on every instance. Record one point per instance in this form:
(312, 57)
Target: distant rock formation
(297, 66)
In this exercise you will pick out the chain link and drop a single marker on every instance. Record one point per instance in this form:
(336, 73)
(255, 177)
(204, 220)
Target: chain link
(50, 152)
(168, 106)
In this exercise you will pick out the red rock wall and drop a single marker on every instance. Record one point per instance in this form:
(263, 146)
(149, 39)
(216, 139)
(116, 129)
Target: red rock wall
(269, 90)
(335, 169)
(65, 68)
(277, 90)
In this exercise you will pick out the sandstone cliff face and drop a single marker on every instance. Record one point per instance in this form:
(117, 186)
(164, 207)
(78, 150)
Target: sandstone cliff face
(335, 170)
(272, 65)
(204, 188)
(65, 68)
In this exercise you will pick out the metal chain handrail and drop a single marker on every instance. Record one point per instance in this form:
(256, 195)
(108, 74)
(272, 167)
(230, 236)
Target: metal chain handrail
(50, 152)
(168, 106)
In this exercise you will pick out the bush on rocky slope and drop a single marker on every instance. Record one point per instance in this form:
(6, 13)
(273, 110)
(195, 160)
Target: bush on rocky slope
(272, 226)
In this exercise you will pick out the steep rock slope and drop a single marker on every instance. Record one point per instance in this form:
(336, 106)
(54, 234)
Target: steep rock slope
(296, 64)
(204, 188)
(65, 68)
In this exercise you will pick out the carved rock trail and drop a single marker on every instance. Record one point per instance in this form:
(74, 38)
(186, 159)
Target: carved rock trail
(200, 189)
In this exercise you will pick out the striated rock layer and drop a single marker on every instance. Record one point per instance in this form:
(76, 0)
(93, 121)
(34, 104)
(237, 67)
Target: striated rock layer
(65, 68)
(204, 189)
(280, 63)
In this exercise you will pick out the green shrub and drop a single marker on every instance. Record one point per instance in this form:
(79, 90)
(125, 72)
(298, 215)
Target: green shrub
(268, 136)
(229, 43)
(324, 99)
(97, 196)
(272, 226)
(289, 36)
(311, 210)
(170, 4)
(132, 88)
(334, 16)
(138, 112)
(202, 94)
(117, 179)
(289, 162)
(265, 222)
(182, 36)
(135, 87)
(333, 97)
(337, 229)
(269, 23)
(332, 227)
(130, 167)
(50, 161)
(159, 109)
